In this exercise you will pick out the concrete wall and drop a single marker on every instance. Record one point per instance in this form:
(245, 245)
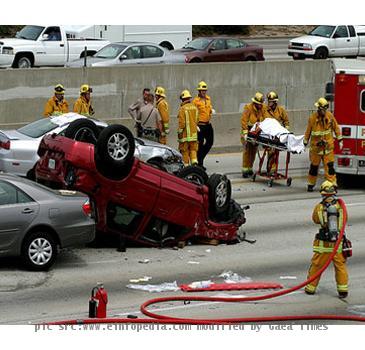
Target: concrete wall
(23, 93)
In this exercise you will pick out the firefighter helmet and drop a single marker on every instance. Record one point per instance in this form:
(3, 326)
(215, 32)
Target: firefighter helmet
(258, 98)
(202, 86)
(322, 103)
(272, 96)
(85, 88)
(160, 91)
(328, 188)
(59, 89)
(185, 94)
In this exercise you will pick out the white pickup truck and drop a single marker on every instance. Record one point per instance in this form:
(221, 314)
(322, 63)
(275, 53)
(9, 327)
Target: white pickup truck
(329, 41)
(37, 46)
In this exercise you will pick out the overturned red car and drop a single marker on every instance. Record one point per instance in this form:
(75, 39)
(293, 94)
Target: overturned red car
(133, 199)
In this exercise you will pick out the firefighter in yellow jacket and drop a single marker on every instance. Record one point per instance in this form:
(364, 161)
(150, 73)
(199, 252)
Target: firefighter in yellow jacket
(252, 113)
(163, 109)
(321, 127)
(83, 103)
(57, 104)
(206, 133)
(279, 113)
(188, 129)
(329, 215)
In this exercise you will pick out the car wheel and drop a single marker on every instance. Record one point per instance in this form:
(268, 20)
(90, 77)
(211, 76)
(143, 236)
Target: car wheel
(23, 62)
(220, 192)
(157, 163)
(250, 58)
(194, 174)
(83, 130)
(321, 53)
(114, 153)
(195, 60)
(39, 251)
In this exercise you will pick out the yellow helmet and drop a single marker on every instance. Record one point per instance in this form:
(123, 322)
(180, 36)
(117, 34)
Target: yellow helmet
(328, 188)
(160, 91)
(322, 103)
(185, 94)
(258, 98)
(85, 88)
(59, 89)
(202, 86)
(272, 96)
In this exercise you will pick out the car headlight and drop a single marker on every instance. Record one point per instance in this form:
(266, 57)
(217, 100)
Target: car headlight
(307, 46)
(8, 50)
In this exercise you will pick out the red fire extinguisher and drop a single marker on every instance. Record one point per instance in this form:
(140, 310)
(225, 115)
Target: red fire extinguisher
(98, 302)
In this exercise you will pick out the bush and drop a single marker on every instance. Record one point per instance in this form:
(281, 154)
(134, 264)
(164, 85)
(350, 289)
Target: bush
(220, 30)
(9, 31)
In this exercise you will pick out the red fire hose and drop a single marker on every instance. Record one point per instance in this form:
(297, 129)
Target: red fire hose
(156, 318)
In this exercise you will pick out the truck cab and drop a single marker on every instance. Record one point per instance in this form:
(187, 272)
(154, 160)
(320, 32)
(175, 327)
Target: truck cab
(347, 94)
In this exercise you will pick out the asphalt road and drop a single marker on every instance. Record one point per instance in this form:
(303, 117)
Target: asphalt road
(274, 48)
(280, 221)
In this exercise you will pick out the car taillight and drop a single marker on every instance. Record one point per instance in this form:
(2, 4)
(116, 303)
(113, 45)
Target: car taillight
(87, 208)
(344, 161)
(346, 131)
(186, 59)
(5, 144)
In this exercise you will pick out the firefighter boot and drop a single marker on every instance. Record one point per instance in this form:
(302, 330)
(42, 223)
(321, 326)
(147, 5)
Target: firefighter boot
(310, 188)
(342, 295)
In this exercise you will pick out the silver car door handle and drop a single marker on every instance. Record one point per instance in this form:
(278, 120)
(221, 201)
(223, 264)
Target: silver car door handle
(27, 211)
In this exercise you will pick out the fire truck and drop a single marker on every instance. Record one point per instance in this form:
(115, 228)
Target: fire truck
(346, 91)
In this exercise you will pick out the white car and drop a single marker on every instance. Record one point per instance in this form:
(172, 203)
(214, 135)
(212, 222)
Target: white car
(18, 148)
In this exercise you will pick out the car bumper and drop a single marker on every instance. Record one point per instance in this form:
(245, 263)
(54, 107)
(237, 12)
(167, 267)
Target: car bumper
(6, 61)
(301, 54)
(78, 234)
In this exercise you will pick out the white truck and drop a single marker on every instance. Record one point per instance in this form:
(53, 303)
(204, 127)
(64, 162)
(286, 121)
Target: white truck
(168, 36)
(37, 46)
(329, 41)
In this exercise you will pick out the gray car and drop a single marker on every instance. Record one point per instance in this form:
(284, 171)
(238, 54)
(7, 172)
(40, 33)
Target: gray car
(18, 148)
(35, 221)
(121, 53)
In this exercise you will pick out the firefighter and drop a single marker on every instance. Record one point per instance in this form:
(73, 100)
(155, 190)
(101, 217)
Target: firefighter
(321, 126)
(328, 214)
(279, 113)
(83, 103)
(57, 104)
(252, 113)
(187, 132)
(135, 107)
(163, 109)
(206, 133)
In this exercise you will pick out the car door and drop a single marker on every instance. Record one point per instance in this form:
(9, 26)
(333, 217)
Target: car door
(131, 55)
(152, 54)
(17, 211)
(344, 44)
(52, 48)
(216, 51)
(235, 50)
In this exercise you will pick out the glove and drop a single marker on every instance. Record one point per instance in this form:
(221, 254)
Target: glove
(305, 143)
(167, 131)
(243, 138)
(340, 144)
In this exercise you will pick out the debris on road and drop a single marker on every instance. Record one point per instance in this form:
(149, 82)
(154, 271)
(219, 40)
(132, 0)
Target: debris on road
(156, 288)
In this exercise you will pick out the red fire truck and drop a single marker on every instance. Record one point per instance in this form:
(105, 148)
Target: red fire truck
(347, 92)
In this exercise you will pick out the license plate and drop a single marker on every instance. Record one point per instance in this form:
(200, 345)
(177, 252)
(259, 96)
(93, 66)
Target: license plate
(296, 55)
(51, 163)
(361, 163)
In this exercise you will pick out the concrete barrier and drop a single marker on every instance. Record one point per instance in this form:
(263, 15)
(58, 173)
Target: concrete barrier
(23, 93)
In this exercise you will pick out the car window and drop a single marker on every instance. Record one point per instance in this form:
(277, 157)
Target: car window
(54, 33)
(234, 44)
(10, 194)
(341, 32)
(352, 31)
(219, 44)
(198, 44)
(133, 52)
(38, 128)
(324, 31)
(151, 51)
(110, 51)
(29, 32)
(123, 219)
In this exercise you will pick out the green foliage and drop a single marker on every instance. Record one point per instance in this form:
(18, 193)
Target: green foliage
(9, 31)
(220, 30)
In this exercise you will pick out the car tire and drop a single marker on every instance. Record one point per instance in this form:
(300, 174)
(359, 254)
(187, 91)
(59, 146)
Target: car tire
(194, 174)
(220, 192)
(39, 251)
(83, 130)
(321, 53)
(114, 152)
(23, 62)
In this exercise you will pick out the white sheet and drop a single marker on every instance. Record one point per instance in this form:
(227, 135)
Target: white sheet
(271, 128)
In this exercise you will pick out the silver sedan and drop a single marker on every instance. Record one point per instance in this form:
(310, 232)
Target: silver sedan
(35, 221)
(121, 53)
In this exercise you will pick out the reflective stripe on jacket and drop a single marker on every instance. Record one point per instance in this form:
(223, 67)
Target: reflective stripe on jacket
(250, 116)
(321, 247)
(188, 121)
(83, 107)
(320, 132)
(163, 109)
(55, 107)
(205, 108)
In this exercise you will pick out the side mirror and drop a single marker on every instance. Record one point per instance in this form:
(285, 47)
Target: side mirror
(45, 37)
(123, 57)
(211, 49)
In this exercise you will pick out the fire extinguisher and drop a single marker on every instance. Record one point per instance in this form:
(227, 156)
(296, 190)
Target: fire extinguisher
(98, 302)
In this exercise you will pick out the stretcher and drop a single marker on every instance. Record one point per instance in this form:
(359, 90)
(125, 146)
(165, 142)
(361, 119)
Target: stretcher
(273, 139)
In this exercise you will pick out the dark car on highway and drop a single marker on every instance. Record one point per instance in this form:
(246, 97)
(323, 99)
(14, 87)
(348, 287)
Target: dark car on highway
(35, 221)
(219, 49)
